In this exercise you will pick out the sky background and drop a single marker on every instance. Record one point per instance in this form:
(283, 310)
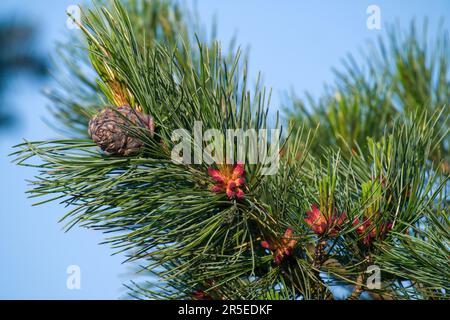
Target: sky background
(293, 43)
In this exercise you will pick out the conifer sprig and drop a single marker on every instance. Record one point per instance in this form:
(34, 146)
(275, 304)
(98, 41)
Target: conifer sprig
(313, 227)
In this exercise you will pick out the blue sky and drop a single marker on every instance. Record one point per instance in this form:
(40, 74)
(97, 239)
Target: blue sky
(294, 43)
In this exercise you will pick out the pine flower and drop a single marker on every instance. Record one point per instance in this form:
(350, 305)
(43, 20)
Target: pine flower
(321, 224)
(284, 247)
(201, 295)
(368, 228)
(229, 180)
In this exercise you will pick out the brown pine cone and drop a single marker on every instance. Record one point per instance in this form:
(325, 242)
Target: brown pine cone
(108, 130)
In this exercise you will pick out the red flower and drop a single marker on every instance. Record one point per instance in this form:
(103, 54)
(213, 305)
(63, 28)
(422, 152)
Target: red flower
(229, 180)
(321, 224)
(201, 295)
(370, 231)
(282, 248)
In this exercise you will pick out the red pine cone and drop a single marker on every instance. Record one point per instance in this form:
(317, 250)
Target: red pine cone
(229, 179)
(321, 224)
(282, 248)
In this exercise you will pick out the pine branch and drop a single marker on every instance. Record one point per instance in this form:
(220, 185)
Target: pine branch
(402, 74)
(314, 226)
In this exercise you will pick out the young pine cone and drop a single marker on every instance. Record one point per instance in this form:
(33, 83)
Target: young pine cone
(108, 130)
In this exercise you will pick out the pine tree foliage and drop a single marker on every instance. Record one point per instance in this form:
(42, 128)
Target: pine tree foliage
(310, 230)
(80, 94)
(400, 74)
